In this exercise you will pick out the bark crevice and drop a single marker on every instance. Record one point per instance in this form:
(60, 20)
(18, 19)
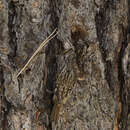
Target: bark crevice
(53, 49)
(12, 14)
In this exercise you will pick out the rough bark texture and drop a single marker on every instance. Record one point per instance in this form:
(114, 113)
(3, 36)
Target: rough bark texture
(80, 80)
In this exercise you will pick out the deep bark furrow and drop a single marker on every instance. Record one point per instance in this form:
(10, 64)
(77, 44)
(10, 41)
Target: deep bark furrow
(12, 16)
(102, 19)
(123, 88)
(2, 109)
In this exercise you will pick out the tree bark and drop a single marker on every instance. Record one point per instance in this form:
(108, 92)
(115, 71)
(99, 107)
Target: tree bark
(80, 80)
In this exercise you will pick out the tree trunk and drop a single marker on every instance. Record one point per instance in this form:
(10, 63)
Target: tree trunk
(80, 80)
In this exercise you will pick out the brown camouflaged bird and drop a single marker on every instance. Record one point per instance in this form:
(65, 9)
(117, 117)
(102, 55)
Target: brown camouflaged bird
(65, 82)
(70, 71)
